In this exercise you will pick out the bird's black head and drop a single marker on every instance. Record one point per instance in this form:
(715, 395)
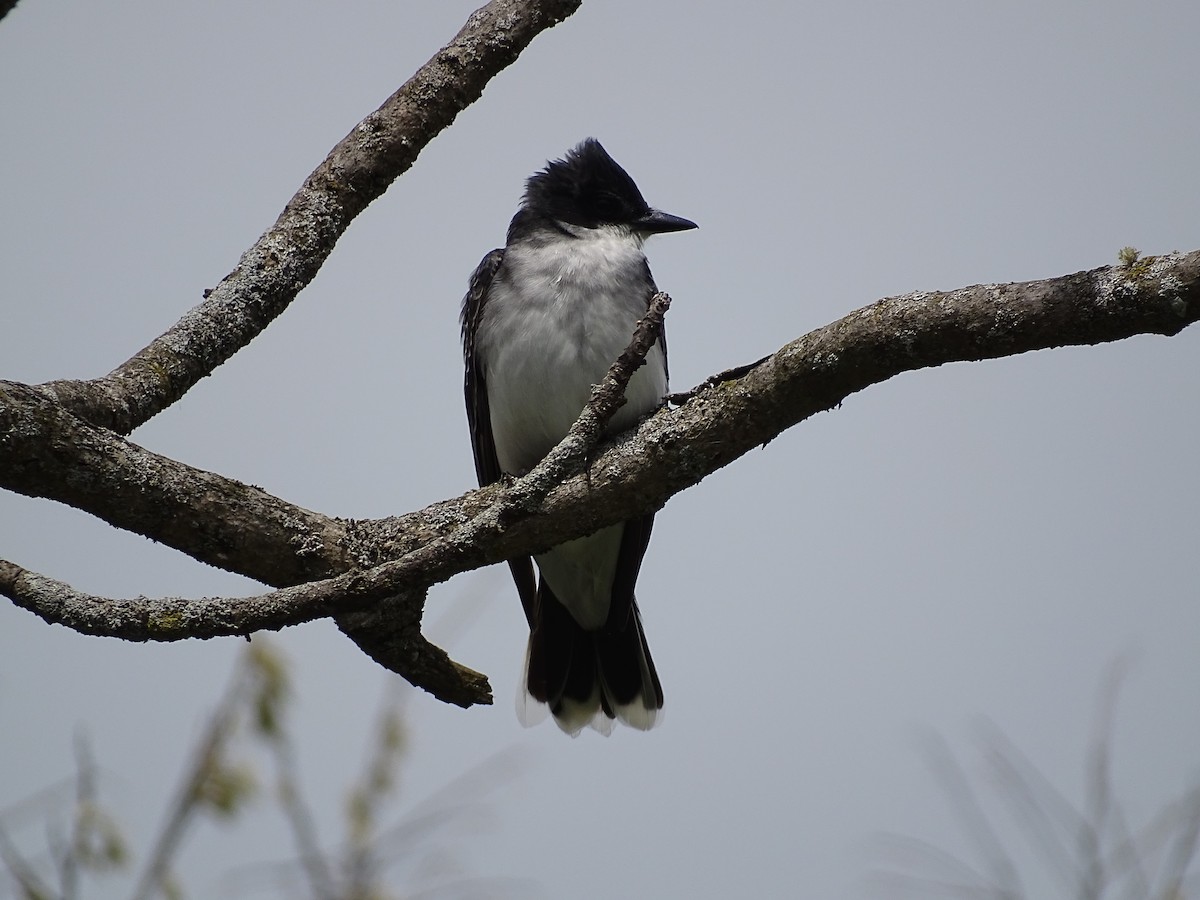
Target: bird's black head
(589, 189)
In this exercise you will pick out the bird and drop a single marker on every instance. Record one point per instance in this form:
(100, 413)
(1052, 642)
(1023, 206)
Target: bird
(542, 321)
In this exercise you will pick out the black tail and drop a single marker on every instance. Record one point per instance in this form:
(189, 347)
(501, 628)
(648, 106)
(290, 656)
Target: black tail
(591, 677)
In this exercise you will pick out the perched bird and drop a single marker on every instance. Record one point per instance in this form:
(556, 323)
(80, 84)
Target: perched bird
(542, 321)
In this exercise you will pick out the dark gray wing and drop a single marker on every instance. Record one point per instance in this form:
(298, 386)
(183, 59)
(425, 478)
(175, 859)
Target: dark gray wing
(487, 467)
(479, 418)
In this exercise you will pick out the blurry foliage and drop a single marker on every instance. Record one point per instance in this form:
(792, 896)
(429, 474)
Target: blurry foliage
(1090, 850)
(219, 782)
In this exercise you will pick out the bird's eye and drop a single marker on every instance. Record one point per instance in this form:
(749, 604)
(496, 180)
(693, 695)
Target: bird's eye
(608, 207)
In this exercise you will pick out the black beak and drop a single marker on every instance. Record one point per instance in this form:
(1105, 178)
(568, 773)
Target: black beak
(655, 222)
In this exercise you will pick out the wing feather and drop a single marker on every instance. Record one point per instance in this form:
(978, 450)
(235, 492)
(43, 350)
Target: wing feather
(483, 445)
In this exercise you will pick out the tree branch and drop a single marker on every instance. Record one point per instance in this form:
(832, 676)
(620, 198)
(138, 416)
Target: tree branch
(288, 256)
(46, 452)
(383, 632)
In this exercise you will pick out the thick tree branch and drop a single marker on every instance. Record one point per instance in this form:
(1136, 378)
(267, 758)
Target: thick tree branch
(46, 452)
(399, 586)
(287, 257)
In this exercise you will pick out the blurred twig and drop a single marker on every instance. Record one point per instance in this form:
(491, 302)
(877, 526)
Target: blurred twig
(254, 705)
(28, 881)
(91, 842)
(209, 782)
(1090, 848)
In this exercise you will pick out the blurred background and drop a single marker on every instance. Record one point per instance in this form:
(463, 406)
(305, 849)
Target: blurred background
(976, 543)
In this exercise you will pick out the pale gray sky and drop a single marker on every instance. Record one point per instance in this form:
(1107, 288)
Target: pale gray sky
(977, 540)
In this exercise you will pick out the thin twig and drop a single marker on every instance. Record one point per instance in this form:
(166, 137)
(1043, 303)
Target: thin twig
(85, 803)
(608, 396)
(22, 872)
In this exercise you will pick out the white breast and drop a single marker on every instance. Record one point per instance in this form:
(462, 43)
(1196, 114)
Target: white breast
(544, 346)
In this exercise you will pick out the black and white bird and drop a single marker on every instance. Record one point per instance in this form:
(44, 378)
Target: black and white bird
(542, 321)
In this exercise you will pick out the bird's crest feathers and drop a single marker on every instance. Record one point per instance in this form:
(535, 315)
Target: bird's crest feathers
(586, 187)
